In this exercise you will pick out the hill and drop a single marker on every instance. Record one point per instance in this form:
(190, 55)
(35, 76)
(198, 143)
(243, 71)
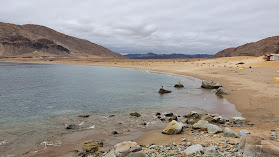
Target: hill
(165, 56)
(35, 40)
(266, 46)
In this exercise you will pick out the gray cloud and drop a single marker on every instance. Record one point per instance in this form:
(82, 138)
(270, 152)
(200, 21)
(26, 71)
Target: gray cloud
(160, 26)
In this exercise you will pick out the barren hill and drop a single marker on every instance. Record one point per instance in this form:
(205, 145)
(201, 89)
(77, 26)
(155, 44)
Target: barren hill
(36, 40)
(259, 48)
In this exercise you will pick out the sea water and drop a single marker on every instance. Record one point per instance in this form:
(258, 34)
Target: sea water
(38, 100)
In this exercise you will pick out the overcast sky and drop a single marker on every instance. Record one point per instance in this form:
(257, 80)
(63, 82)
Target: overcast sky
(158, 26)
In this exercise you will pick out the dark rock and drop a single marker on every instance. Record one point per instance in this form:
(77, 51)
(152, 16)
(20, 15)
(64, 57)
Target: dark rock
(169, 114)
(84, 116)
(114, 132)
(158, 114)
(135, 114)
(173, 118)
(72, 127)
(220, 91)
(179, 85)
(162, 91)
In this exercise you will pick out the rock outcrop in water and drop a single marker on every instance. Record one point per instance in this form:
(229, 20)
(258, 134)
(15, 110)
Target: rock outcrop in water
(162, 91)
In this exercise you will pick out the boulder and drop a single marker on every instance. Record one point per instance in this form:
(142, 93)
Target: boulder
(213, 129)
(238, 120)
(162, 91)
(200, 124)
(173, 128)
(126, 149)
(243, 132)
(229, 133)
(210, 85)
(221, 91)
(254, 145)
(192, 150)
(135, 114)
(179, 85)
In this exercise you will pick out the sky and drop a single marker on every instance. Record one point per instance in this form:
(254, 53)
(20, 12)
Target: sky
(158, 26)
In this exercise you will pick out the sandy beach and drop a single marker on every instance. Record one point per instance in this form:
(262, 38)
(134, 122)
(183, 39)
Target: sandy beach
(251, 86)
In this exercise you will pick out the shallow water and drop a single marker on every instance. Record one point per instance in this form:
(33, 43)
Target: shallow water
(37, 100)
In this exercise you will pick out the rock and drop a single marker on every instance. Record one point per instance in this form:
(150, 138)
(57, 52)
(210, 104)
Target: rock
(229, 133)
(200, 124)
(114, 132)
(211, 150)
(173, 118)
(221, 91)
(183, 120)
(213, 129)
(169, 114)
(253, 145)
(158, 114)
(219, 119)
(84, 116)
(173, 128)
(194, 149)
(162, 91)
(179, 85)
(210, 85)
(92, 146)
(126, 149)
(238, 120)
(72, 127)
(135, 114)
(243, 132)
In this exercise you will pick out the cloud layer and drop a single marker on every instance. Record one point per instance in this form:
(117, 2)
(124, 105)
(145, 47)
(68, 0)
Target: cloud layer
(159, 26)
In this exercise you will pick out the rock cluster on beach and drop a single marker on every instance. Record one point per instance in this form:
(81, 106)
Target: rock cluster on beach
(206, 135)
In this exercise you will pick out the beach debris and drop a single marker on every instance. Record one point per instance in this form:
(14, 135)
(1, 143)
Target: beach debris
(162, 90)
(179, 85)
(173, 127)
(210, 85)
(169, 114)
(221, 91)
(92, 127)
(238, 120)
(135, 114)
(229, 133)
(84, 116)
(126, 148)
(71, 127)
(243, 132)
(197, 148)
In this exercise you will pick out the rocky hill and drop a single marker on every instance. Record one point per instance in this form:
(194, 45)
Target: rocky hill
(259, 48)
(36, 40)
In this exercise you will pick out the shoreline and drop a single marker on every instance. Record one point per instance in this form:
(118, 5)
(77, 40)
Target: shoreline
(263, 124)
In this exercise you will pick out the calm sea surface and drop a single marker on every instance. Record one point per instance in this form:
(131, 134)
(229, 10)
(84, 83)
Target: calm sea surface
(37, 100)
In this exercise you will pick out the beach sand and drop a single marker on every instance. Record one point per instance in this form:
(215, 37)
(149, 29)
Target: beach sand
(252, 90)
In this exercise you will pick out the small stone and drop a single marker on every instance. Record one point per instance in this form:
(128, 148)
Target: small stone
(213, 129)
(72, 127)
(158, 114)
(238, 120)
(229, 133)
(173, 128)
(84, 116)
(114, 132)
(194, 149)
(135, 114)
(169, 114)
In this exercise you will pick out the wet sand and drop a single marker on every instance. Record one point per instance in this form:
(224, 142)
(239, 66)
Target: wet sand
(252, 90)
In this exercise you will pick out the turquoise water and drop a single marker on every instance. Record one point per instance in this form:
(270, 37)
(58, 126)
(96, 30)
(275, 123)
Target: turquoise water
(37, 100)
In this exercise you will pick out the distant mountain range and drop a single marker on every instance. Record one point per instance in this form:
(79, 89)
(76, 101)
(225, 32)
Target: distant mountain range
(165, 56)
(35, 40)
(265, 46)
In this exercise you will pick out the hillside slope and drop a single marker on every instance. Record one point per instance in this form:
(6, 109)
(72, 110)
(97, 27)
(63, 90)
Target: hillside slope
(259, 48)
(36, 40)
